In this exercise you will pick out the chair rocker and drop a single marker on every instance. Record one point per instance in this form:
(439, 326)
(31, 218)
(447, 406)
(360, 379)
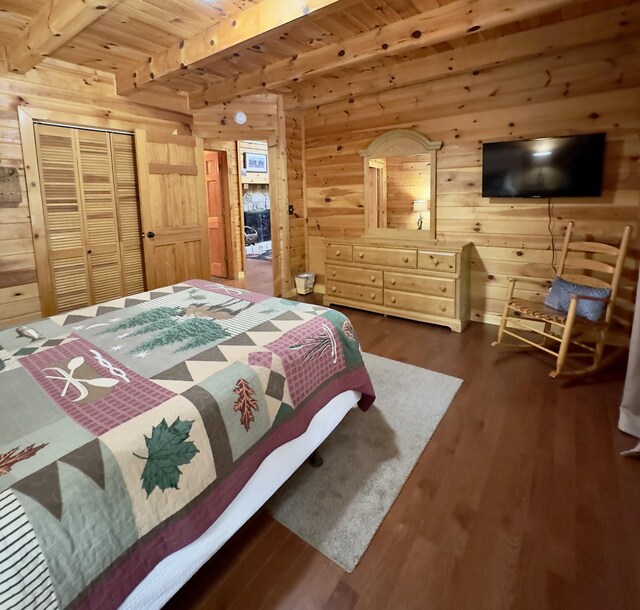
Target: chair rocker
(575, 329)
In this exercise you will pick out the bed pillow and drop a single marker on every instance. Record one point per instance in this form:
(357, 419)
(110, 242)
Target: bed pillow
(560, 295)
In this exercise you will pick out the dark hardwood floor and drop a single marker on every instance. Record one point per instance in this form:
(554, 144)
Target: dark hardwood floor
(258, 276)
(520, 500)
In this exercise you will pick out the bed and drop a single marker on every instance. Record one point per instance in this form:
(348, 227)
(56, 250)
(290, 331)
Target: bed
(138, 435)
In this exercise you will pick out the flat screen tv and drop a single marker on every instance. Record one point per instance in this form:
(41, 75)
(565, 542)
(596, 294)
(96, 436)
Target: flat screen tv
(545, 167)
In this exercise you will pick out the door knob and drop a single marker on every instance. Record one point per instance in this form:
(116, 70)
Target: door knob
(151, 234)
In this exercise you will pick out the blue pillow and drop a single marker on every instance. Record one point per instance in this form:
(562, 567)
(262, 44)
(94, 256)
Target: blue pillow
(560, 295)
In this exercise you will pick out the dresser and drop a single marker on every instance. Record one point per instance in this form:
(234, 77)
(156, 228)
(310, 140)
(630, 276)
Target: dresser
(412, 280)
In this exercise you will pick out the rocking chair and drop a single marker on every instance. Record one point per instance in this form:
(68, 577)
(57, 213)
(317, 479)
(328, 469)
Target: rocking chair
(574, 321)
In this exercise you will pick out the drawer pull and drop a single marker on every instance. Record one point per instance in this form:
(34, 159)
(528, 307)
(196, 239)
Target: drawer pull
(405, 259)
(373, 295)
(373, 278)
(333, 289)
(337, 252)
(393, 299)
(443, 289)
(443, 308)
(333, 273)
(393, 282)
(360, 254)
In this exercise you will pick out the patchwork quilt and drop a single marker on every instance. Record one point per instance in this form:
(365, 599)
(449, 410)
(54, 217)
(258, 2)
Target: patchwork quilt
(127, 428)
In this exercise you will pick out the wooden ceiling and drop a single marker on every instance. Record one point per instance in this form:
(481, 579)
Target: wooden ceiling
(318, 50)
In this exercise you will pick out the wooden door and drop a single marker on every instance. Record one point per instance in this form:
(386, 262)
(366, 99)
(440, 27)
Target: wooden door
(102, 236)
(63, 265)
(126, 192)
(215, 203)
(172, 207)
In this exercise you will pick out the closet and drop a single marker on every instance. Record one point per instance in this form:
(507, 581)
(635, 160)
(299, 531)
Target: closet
(92, 217)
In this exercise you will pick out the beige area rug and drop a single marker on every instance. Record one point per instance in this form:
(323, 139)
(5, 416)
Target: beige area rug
(338, 507)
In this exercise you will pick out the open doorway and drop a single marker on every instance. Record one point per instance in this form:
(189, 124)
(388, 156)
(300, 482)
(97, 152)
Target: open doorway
(256, 214)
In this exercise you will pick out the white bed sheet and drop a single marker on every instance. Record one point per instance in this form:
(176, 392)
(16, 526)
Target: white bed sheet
(176, 569)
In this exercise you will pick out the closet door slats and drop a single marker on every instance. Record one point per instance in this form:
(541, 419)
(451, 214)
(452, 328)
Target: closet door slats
(98, 197)
(64, 218)
(126, 191)
(90, 199)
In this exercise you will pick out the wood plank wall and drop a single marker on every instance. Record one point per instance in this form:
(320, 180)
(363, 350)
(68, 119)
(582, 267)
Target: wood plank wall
(57, 87)
(583, 90)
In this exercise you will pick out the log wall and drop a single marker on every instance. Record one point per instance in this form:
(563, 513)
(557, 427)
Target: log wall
(58, 88)
(583, 90)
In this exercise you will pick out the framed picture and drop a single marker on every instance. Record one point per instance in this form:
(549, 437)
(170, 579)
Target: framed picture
(255, 162)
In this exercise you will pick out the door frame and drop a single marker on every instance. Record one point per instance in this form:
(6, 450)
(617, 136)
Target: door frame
(226, 207)
(228, 135)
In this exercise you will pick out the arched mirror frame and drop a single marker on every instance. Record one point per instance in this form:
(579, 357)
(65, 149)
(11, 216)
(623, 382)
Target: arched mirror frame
(399, 143)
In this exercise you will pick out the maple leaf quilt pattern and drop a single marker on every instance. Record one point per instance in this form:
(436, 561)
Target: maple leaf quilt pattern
(128, 427)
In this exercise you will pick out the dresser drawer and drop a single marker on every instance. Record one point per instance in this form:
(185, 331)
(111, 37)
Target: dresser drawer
(339, 252)
(390, 257)
(445, 262)
(437, 306)
(407, 282)
(366, 294)
(355, 275)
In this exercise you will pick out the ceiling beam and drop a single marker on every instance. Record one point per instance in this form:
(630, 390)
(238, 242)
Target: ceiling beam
(442, 24)
(53, 27)
(615, 23)
(258, 20)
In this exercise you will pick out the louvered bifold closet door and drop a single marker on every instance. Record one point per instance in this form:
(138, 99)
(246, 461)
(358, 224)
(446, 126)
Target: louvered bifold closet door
(91, 210)
(126, 187)
(101, 221)
(63, 216)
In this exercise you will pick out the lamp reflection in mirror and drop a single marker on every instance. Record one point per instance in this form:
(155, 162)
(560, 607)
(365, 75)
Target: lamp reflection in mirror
(420, 205)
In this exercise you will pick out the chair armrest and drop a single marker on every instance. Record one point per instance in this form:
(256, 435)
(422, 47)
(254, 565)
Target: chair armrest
(528, 279)
(523, 279)
(590, 298)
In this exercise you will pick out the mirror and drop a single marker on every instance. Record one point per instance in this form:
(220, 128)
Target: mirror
(400, 185)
